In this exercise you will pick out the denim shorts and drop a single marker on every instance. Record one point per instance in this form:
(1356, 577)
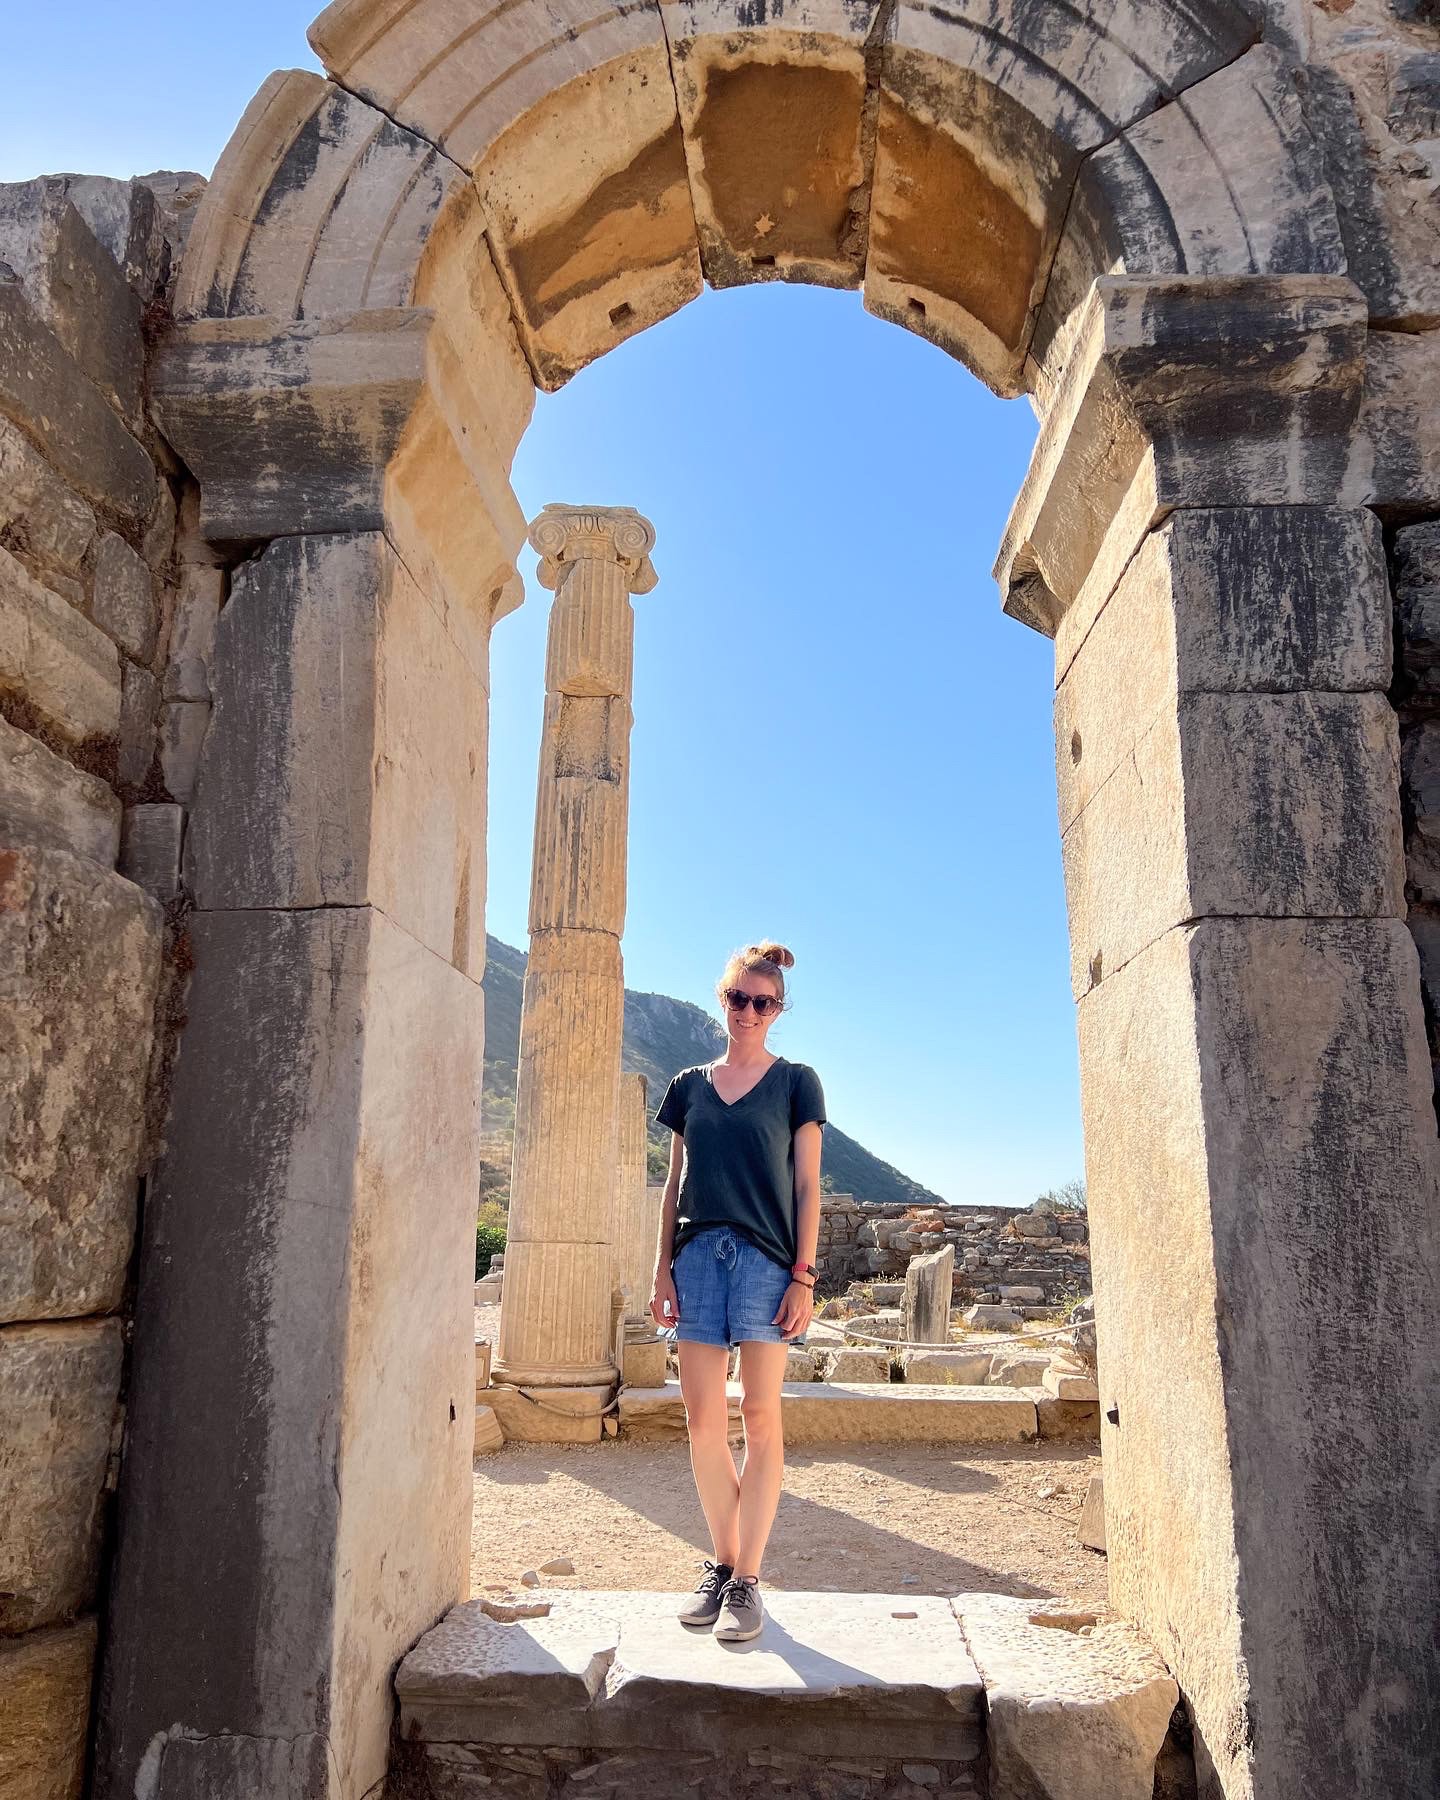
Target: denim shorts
(729, 1292)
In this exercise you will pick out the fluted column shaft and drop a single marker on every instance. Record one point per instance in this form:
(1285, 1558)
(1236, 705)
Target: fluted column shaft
(560, 1261)
(634, 1230)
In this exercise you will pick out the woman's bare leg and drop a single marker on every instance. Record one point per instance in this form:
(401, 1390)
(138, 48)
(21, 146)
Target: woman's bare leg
(703, 1368)
(762, 1370)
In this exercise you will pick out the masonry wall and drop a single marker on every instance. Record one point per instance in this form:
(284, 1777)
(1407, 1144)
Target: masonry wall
(997, 1248)
(102, 700)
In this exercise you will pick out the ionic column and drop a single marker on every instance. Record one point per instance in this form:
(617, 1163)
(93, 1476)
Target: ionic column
(560, 1261)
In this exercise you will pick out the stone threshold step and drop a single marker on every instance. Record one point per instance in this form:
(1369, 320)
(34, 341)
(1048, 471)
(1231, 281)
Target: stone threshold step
(823, 1412)
(831, 1675)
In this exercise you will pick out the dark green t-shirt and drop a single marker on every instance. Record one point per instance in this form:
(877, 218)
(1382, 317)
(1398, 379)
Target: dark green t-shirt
(739, 1167)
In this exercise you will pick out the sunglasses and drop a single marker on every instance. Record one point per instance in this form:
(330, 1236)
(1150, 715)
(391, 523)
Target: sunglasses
(737, 1000)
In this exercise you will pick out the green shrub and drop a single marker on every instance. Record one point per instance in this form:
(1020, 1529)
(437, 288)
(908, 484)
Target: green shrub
(489, 1242)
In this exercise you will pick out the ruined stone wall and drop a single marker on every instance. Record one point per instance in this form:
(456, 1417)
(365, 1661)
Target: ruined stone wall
(102, 702)
(996, 1247)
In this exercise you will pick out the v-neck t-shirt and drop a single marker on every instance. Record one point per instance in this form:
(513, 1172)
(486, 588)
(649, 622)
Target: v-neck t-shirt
(739, 1167)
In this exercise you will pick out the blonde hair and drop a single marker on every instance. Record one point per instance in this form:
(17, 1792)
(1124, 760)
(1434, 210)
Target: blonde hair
(767, 958)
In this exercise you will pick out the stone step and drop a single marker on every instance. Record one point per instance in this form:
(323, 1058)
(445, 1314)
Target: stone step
(823, 1412)
(832, 1675)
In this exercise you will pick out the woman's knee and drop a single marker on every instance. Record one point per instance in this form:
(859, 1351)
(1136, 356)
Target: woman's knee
(707, 1417)
(761, 1413)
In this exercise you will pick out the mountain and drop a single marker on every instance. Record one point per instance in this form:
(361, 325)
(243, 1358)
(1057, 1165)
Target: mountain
(662, 1036)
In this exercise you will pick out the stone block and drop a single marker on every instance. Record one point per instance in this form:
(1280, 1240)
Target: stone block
(855, 1364)
(1395, 455)
(183, 725)
(905, 1413)
(800, 1366)
(1278, 805)
(884, 1324)
(1271, 1075)
(1092, 1514)
(192, 633)
(59, 1384)
(1065, 1384)
(45, 1680)
(489, 1289)
(47, 394)
(1072, 1714)
(75, 286)
(1021, 1295)
(657, 1415)
(644, 1364)
(139, 707)
(38, 512)
(46, 800)
(319, 792)
(1416, 572)
(488, 1435)
(284, 1213)
(774, 143)
(1031, 1225)
(549, 1415)
(54, 658)
(123, 599)
(484, 1352)
(990, 1318)
(79, 965)
(150, 846)
(1225, 180)
(925, 1310)
(1021, 1367)
(946, 1368)
(1065, 1421)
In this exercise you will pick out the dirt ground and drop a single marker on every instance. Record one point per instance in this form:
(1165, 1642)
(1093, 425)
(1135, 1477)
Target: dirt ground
(929, 1519)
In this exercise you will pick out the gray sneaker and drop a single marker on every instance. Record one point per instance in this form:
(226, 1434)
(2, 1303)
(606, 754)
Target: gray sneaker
(703, 1606)
(742, 1612)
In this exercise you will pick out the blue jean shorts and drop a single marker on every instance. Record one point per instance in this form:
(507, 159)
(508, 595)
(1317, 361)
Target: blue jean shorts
(729, 1292)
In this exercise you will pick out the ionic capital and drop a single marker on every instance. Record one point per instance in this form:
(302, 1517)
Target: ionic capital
(565, 535)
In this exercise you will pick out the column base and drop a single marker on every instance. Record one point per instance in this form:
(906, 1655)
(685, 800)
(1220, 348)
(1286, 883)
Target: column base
(561, 1415)
(554, 1375)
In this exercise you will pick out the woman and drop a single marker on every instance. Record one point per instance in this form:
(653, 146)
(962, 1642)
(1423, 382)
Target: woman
(736, 1265)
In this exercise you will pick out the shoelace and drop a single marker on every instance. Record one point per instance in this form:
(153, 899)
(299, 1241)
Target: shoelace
(712, 1581)
(740, 1592)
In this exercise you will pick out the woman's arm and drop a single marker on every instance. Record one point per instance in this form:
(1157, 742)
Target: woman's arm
(664, 1304)
(799, 1302)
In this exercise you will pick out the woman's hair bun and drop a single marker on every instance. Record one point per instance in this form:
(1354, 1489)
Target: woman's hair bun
(775, 953)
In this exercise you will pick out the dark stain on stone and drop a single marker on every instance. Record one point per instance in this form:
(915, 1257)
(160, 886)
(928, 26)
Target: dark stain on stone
(635, 221)
(781, 145)
(943, 226)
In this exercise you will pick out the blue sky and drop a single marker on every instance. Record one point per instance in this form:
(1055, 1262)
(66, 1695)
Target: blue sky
(839, 738)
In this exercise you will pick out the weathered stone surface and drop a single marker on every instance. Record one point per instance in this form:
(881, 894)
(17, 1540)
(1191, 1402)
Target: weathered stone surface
(1225, 180)
(314, 791)
(46, 800)
(38, 513)
(800, 1366)
(139, 709)
(990, 1318)
(774, 143)
(553, 1415)
(45, 392)
(123, 601)
(885, 1324)
(183, 725)
(833, 1673)
(482, 1369)
(944, 1368)
(637, 1208)
(1023, 1367)
(658, 1414)
(1068, 1716)
(1143, 421)
(58, 1388)
(79, 963)
(925, 1311)
(54, 658)
(644, 1362)
(322, 242)
(75, 286)
(488, 1435)
(150, 846)
(45, 1682)
(1271, 1080)
(1066, 1384)
(854, 1364)
(284, 1216)
(1415, 563)
(1092, 1514)
(829, 1413)
(192, 634)
(1395, 452)
(985, 113)
(1065, 1421)
(1271, 805)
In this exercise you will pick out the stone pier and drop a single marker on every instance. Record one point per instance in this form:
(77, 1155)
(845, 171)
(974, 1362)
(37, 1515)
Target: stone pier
(635, 1222)
(555, 1319)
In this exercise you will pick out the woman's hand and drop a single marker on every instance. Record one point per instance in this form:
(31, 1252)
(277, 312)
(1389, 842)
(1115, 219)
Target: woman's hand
(793, 1317)
(664, 1301)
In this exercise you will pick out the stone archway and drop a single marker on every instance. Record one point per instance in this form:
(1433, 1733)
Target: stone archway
(1118, 210)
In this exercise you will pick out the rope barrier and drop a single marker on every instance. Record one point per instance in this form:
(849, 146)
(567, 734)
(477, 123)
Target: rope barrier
(965, 1343)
